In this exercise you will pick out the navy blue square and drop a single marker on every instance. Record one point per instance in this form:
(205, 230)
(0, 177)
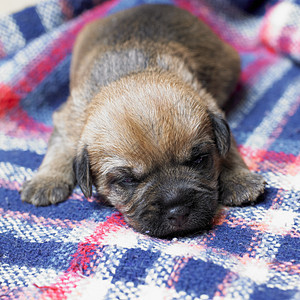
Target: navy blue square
(258, 112)
(263, 293)
(44, 254)
(234, 240)
(49, 94)
(195, 269)
(80, 6)
(268, 197)
(289, 249)
(134, 264)
(252, 6)
(22, 158)
(29, 23)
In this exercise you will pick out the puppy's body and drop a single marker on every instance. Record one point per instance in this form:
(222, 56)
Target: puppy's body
(143, 123)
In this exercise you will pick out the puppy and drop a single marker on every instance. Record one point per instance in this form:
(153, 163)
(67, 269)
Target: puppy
(143, 123)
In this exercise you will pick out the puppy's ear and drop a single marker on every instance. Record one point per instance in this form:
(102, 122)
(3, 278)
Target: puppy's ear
(222, 133)
(82, 172)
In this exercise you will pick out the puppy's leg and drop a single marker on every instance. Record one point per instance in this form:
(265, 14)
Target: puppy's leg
(238, 184)
(55, 178)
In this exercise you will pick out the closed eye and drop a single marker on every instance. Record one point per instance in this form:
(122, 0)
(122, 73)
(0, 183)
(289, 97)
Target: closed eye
(127, 181)
(199, 161)
(122, 177)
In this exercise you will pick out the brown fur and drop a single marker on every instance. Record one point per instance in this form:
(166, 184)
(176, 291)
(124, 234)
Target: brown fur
(143, 123)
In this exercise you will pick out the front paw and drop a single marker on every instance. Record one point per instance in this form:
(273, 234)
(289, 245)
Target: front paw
(44, 190)
(240, 187)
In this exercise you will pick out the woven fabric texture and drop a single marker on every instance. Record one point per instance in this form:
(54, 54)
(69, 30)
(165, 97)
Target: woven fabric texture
(82, 249)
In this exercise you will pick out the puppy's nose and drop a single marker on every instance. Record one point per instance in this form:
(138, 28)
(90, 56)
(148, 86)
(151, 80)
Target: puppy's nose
(178, 215)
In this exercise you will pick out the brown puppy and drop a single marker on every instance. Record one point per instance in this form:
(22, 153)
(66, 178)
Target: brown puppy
(143, 123)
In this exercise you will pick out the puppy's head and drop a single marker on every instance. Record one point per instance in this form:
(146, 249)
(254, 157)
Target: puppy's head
(153, 148)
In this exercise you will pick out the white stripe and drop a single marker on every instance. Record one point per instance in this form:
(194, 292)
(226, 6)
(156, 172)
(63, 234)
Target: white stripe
(11, 37)
(37, 146)
(263, 131)
(280, 181)
(10, 70)
(50, 14)
(275, 221)
(238, 26)
(20, 276)
(39, 233)
(255, 92)
(92, 288)
(248, 214)
(12, 172)
(284, 14)
(157, 290)
(269, 245)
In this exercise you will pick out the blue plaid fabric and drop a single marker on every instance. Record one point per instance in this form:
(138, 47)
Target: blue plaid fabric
(83, 249)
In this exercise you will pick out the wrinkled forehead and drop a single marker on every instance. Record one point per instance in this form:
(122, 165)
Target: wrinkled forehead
(143, 138)
(146, 121)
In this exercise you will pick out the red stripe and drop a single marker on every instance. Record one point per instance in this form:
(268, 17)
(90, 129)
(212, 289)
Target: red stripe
(265, 57)
(265, 32)
(8, 99)
(220, 27)
(286, 38)
(186, 5)
(253, 70)
(87, 250)
(93, 243)
(17, 123)
(17, 120)
(270, 161)
(262, 155)
(34, 73)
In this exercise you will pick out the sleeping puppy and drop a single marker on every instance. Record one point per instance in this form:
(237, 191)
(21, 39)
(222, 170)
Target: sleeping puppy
(143, 123)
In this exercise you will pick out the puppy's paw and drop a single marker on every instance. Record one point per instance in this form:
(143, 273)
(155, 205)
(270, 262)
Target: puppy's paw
(240, 187)
(43, 190)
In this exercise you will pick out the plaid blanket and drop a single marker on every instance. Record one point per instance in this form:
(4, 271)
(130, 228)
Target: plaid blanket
(82, 249)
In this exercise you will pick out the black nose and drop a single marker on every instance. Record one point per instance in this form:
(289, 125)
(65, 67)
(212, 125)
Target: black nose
(178, 215)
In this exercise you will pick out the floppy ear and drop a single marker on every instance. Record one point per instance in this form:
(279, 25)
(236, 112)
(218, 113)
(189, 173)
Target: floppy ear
(82, 172)
(222, 133)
